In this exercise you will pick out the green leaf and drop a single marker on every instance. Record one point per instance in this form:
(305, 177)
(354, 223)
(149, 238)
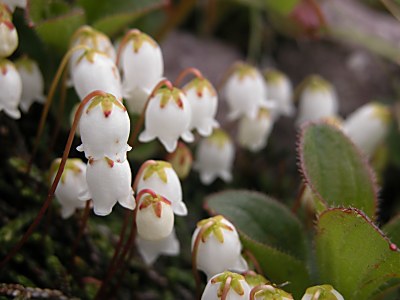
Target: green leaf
(111, 17)
(262, 219)
(392, 229)
(279, 267)
(284, 7)
(335, 170)
(354, 256)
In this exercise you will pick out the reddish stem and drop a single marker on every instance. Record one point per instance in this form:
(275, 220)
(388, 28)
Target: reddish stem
(56, 180)
(184, 73)
(84, 219)
(124, 41)
(254, 261)
(226, 289)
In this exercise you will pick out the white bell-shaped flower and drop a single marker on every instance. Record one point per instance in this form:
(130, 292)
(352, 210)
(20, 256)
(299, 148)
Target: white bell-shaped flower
(109, 182)
(269, 292)
(8, 38)
(167, 118)
(143, 67)
(253, 133)
(12, 4)
(104, 128)
(154, 216)
(72, 186)
(322, 292)
(92, 38)
(318, 100)
(10, 89)
(214, 157)
(280, 91)
(151, 250)
(237, 287)
(245, 91)
(181, 160)
(32, 83)
(219, 247)
(96, 71)
(368, 126)
(160, 177)
(203, 99)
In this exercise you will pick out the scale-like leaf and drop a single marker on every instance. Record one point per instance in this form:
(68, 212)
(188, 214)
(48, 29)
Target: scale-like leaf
(354, 256)
(335, 170)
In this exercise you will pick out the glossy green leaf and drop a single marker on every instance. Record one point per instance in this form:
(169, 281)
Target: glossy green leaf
(392, 229)
(279, 267)
(284, 7)
(354, 256)
(262, 219)
(335, 170)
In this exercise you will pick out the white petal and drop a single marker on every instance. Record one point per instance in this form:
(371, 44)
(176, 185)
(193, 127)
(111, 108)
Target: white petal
(179, 208)
(146, 136)
(187, 136)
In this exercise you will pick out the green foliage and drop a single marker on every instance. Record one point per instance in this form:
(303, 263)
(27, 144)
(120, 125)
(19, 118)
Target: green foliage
(354, 256)
(392, 229)
(282, 7)
(335, 170)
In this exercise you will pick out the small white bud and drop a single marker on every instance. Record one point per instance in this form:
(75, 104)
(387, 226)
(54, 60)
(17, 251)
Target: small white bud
(214, 157)
(253, 133)
(10, 89)
(8, 38)
(160, 177)
(72, 185)
(238, 289)
(318, 100)
(154, 218)
(280, 91)
(322, 292)
(104, 128)
(109, 182)
(368, 126)
(219, 248)
(167, 118)
(32, 83)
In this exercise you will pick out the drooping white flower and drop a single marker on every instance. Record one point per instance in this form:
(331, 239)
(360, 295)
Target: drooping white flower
(214, 157)
(238, 289)
(8, 38)
(318, 100)
(109, 182)
(368, 126)
(219, 247)
(160, 177)
(104, 128)
(151, 250)
(270, 292)
(167, 118)
(203, 100)
(154, 216)
(92, 38)
(280, 91)
(12, 4)
(10, 89)
(253, 133)
(181, 160)
(32, 82)
(143, 67)
(72, 185)
(245, 91)
(96, 71)
(322, 292)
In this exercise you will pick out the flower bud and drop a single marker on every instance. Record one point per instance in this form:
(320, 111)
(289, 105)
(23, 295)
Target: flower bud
(253, 133)
(237, 287)
(8, 38)
(219, 247)
(72, 186)
(104, 127)
(214, 157)
(160, 177)
(317, 100)
(167, 118)
(109, 182)
(10, 89)
(151, 250)
(280, 91)
(96, 71)
(203, 100)
(245, 91)
(322, 292)
(32, 82)
(181, 160)
(143, 67)
(92, 38)
(155, 218)
(270, 292)
(368, 126)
